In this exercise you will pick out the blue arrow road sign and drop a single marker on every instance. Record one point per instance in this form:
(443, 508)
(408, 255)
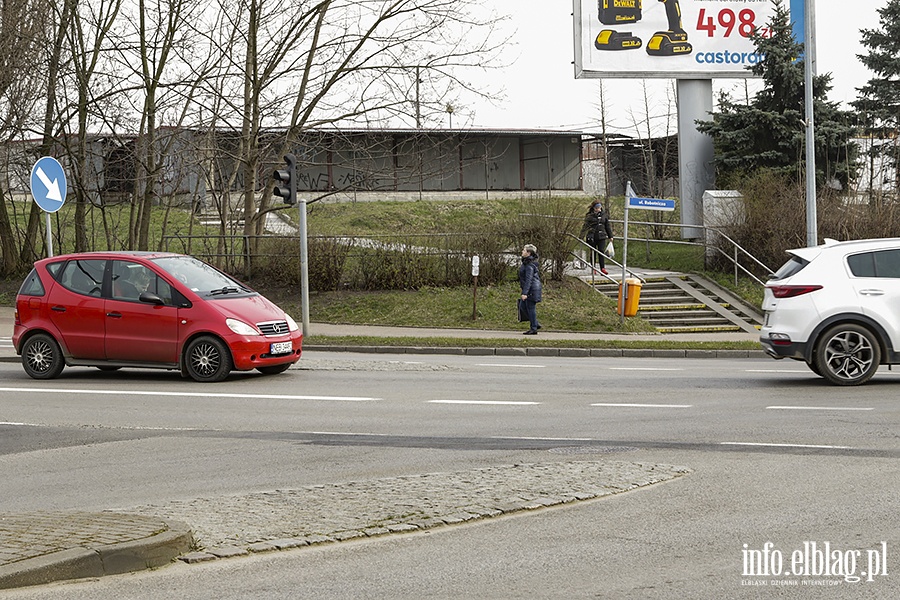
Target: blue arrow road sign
(48, 184)
(651, 203)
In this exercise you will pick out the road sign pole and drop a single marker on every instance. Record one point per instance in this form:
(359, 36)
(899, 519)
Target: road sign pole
(49, 235)
(629, 193)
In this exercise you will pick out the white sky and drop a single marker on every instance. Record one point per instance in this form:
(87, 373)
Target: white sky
(542, 92)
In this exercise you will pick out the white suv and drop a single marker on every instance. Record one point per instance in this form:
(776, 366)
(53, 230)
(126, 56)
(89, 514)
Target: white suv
(837, 308)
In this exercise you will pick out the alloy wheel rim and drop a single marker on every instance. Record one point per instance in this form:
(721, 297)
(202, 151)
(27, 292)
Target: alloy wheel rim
(40, 357)
(205, 359)
(849, 355)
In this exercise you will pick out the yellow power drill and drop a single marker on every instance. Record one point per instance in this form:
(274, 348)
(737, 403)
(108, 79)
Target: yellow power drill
(673, 41)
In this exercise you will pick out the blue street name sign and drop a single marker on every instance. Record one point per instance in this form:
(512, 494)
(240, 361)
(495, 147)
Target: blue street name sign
(651, 203)
(48, 184)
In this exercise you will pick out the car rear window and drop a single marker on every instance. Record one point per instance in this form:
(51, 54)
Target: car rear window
(32, 285)
(884, 263)
(791, 267)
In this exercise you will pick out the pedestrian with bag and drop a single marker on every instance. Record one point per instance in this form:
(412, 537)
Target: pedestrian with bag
(530, 283)
(597, 233)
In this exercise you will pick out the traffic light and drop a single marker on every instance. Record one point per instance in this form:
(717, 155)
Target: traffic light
(286, 180)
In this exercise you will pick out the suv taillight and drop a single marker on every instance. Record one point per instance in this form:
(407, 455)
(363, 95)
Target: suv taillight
(789, 291)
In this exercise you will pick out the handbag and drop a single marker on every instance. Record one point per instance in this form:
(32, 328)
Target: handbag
(523, 313)
(610, 250)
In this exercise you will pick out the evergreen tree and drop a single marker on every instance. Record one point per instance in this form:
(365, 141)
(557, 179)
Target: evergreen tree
(769, 132)
(879, 100)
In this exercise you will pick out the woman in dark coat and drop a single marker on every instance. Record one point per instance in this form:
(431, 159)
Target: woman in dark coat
(530, 282)
(597, 232)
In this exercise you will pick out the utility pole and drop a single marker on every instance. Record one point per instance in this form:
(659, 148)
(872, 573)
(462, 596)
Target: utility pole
(809, 71)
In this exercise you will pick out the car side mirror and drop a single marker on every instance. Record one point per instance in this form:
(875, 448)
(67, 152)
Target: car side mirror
(151, 298)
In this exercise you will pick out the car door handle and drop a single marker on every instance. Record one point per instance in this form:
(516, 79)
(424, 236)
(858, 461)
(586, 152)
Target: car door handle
(114, 315)
(58, 308)
(871, 292)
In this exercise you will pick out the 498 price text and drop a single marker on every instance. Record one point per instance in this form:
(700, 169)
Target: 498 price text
(726, 19)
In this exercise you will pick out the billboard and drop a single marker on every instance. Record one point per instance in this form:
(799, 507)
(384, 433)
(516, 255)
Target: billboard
(686, 39)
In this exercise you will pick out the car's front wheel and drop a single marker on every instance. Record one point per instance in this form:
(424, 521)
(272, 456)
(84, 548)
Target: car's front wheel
(847, 354)
(207, 359)
(42, 357)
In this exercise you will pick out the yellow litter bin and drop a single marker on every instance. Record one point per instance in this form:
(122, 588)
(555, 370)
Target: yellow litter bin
(633, 297)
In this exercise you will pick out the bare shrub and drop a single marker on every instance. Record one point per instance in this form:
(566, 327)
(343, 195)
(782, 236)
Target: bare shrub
(549, 225)
(775, 217)
(325, 263)
(278, 259)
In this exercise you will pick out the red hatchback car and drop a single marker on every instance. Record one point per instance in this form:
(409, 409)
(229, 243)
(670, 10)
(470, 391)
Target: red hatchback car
(147, 309)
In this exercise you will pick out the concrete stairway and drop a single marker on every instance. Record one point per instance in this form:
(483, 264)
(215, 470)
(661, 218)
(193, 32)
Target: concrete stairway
(686, 303)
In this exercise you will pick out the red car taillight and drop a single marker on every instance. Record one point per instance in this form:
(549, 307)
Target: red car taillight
(789, 291)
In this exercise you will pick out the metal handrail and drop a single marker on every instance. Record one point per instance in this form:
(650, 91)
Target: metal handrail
(606, 257)
(739, 251)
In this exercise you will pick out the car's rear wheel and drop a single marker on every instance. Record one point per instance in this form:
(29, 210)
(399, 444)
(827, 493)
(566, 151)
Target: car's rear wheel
(42, 357)
(847, 354)
(814, 367)
(275, 370)
(207, 359)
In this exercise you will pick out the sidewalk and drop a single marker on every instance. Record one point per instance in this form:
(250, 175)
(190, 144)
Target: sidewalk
(44, 546)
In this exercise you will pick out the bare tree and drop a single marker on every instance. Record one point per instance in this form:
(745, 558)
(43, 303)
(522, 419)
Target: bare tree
(341, 62)
(166, 84)
(134, 67)
(90, 41)
(22, 39)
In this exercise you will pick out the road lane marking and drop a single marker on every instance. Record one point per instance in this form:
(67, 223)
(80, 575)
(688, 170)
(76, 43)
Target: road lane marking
(519, 366)
(497, 402)
(207, 394)
(643, 369)
(816, 408)
(643, 405)
(345, 433)
(545, 439)
(768, 445)
(807, 371)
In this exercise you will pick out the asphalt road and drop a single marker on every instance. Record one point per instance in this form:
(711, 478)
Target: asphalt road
(776, 456)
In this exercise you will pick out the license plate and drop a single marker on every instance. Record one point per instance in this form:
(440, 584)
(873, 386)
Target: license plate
(281, 348)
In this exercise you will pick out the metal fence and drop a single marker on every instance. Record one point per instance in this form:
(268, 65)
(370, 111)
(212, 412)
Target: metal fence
(240, 254)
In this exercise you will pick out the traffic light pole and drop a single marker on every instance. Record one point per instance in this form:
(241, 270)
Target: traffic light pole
(304, 267)
(286, 188)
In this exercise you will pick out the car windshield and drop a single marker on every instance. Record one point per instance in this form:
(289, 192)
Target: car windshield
(201, 277)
